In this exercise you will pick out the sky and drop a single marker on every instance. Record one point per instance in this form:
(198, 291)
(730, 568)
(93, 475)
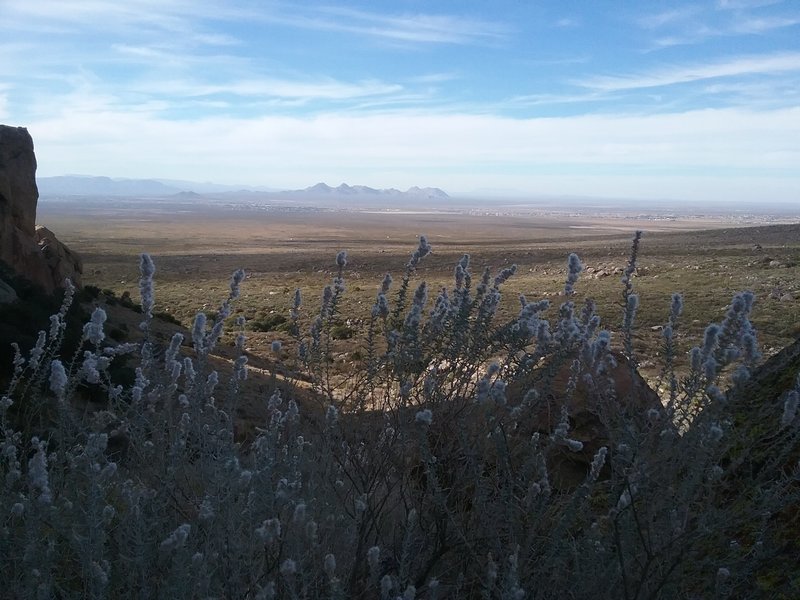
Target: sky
(658, 101)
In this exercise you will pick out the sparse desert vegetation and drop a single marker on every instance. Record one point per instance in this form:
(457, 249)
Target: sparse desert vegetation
(394, 300)
(459, 441)
(707, 259)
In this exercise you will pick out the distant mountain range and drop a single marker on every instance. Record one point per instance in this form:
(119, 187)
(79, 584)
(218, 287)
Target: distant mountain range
(80, 185)
(69, 185)
(322, 189)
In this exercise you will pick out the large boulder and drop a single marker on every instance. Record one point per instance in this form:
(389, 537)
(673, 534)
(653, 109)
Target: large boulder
(18, 191)
(62, 262)
(606, 396)
(42, 260)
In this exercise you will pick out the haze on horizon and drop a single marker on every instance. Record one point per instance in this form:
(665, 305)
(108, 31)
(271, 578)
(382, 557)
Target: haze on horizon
(691, 101)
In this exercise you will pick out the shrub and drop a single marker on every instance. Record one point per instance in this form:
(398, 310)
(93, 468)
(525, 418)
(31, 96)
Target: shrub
(167, 317)
(269, 323)
(443, 467)
(89, 293)
(342, 331)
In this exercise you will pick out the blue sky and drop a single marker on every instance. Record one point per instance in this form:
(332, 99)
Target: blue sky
(652, 100)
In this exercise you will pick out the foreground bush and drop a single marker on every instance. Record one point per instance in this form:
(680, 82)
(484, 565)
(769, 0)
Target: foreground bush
(464, 459)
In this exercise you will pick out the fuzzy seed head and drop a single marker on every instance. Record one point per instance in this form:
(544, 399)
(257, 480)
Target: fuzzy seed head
(424, 417)
(58, 378)
(341, 259)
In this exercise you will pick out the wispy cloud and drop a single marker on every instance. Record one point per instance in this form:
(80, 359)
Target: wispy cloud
(741, 4)
(740, 25)
(386, 92)
(668, 17)
(759, 25)
(567, 23)
(322, 88)
(421, 27)
(435, 78)
(757, 94)
(177, 48)
(556, 60)
(556, 99)
(697, 23)
(168, 15)
(188, 17)
(746, 65)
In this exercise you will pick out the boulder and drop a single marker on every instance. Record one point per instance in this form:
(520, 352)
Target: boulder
(606, 399)
(18, 191)
(62, 262)
(19, 245)
(606, 394)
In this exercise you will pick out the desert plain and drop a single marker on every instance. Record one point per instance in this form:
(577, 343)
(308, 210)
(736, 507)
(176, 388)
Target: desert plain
(197, 242)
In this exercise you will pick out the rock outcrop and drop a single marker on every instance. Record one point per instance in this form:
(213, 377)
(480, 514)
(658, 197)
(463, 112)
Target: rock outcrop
(614, 392)
(39, 257)
(61, 261)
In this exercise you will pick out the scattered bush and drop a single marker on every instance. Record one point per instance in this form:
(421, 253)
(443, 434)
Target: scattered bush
(342, 331)
(110, 296)
(125, 300)
(167, 318)
(269, 323)
(443, 468)
(22, 320)
(89, 293)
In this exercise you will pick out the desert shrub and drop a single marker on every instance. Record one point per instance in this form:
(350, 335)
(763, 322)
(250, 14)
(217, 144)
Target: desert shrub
(268, 323)
(89, 293)
(21, 321)
(110, 296)
(342, 331)
(167, 317)
(464, 458)
(119, 333)
(124, 300)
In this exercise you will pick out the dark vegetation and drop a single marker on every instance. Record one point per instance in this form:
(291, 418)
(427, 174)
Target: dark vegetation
(468, 453)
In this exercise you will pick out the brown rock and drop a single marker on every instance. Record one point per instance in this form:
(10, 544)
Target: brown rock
(62, 262)
(603, 397)
(18, 191)
(19, 247)
(460, 435)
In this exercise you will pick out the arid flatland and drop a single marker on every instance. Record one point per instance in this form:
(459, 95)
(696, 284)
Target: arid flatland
(197, 247)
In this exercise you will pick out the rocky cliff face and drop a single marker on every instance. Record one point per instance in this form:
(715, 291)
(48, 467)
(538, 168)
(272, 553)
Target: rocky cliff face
(37, 256)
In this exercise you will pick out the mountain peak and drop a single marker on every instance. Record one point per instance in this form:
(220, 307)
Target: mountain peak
(427, 192)
(319, 188)
(363, 190)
